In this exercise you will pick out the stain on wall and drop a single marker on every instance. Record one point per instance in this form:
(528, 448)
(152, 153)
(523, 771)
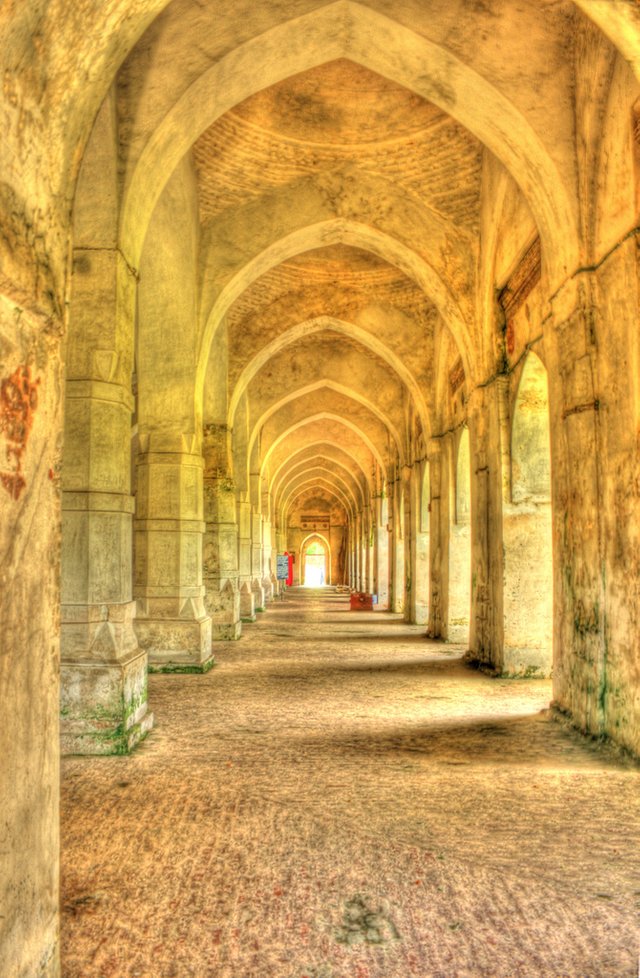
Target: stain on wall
(18, 403)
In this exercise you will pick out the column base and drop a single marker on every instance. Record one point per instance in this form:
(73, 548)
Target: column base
(230, 632)
(268, 588)
(104, 705)
(175, 645)
(526, 663)
(258, 595)
(247, 604)
(223, 607)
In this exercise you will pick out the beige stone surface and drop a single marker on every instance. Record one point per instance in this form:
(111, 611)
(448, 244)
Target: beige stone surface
(280, 271)
(339, 797)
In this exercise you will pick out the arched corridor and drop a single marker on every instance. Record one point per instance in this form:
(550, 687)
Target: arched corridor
(335, 293)
(341, 798)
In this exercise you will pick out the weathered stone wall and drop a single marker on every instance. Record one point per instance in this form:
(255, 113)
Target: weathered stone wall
(31, 391)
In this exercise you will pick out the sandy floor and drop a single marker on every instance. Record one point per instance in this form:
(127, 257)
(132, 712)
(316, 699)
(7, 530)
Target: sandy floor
(341, 798)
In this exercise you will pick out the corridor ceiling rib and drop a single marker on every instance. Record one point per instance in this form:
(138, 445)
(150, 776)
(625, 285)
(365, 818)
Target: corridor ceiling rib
(332, 439)
(326, 416)
(331, 486)
(308, 453)
(318, 463)
(619, 20)
(335, 231)
(321, 386)
(349, 30)
(318, 325)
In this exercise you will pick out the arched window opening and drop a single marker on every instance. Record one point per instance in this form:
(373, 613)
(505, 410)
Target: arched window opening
(530, 451)
(463, 479)
(527, 537)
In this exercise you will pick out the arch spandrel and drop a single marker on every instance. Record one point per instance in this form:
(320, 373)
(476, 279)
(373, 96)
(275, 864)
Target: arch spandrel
(318, 475)
(318, 483)
(309, 497)
(358, 197)
(316, 434)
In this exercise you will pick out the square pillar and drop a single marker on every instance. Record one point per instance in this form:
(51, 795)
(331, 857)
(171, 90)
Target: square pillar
(245, 581)
(220, 563)
(103, 670)
(268, 577)
(256, 561)
(172, 622)
(438, 541)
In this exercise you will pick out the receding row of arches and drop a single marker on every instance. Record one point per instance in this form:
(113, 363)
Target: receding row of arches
(528, 561)
(317, 279)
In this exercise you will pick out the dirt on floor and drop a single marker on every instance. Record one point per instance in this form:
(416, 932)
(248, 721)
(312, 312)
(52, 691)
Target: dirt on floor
(342, 798)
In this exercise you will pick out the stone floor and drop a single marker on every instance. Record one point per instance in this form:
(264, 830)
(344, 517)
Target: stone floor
(341, 798)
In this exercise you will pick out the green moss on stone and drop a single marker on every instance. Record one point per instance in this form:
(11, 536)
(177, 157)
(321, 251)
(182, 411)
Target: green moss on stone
(182, 668)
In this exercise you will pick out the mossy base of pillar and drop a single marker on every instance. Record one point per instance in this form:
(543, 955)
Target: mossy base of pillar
(229, 632)
(222, 604)
(526, 663)
(247, 604)
(258, 596)
(458, 631)
(171, 667)
(175, 645)
(104, 705)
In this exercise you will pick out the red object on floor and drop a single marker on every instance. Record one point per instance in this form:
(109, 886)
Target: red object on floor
(362, 602)
(290, 577)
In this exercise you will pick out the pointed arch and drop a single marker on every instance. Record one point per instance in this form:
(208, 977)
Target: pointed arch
(318, 325)
(338, 389)
(345, 29)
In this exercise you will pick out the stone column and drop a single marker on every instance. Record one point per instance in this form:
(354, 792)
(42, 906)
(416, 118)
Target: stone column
(487, 426)
(220, 563)
(103, 669)
(220, 547)
(416, 549)
(352, 557)
(420, 524)
(581, 680)
(172, 622)
(359, 553)
(382, 554)
(268, 577)
(31, 388)
(409, 545)
(438, 541)
(459, 606)
(257, 568)
(247, 597)
(397, 548)
(367, 550)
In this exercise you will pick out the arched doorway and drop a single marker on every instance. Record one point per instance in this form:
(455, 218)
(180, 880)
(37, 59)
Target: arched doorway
(316, 562)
